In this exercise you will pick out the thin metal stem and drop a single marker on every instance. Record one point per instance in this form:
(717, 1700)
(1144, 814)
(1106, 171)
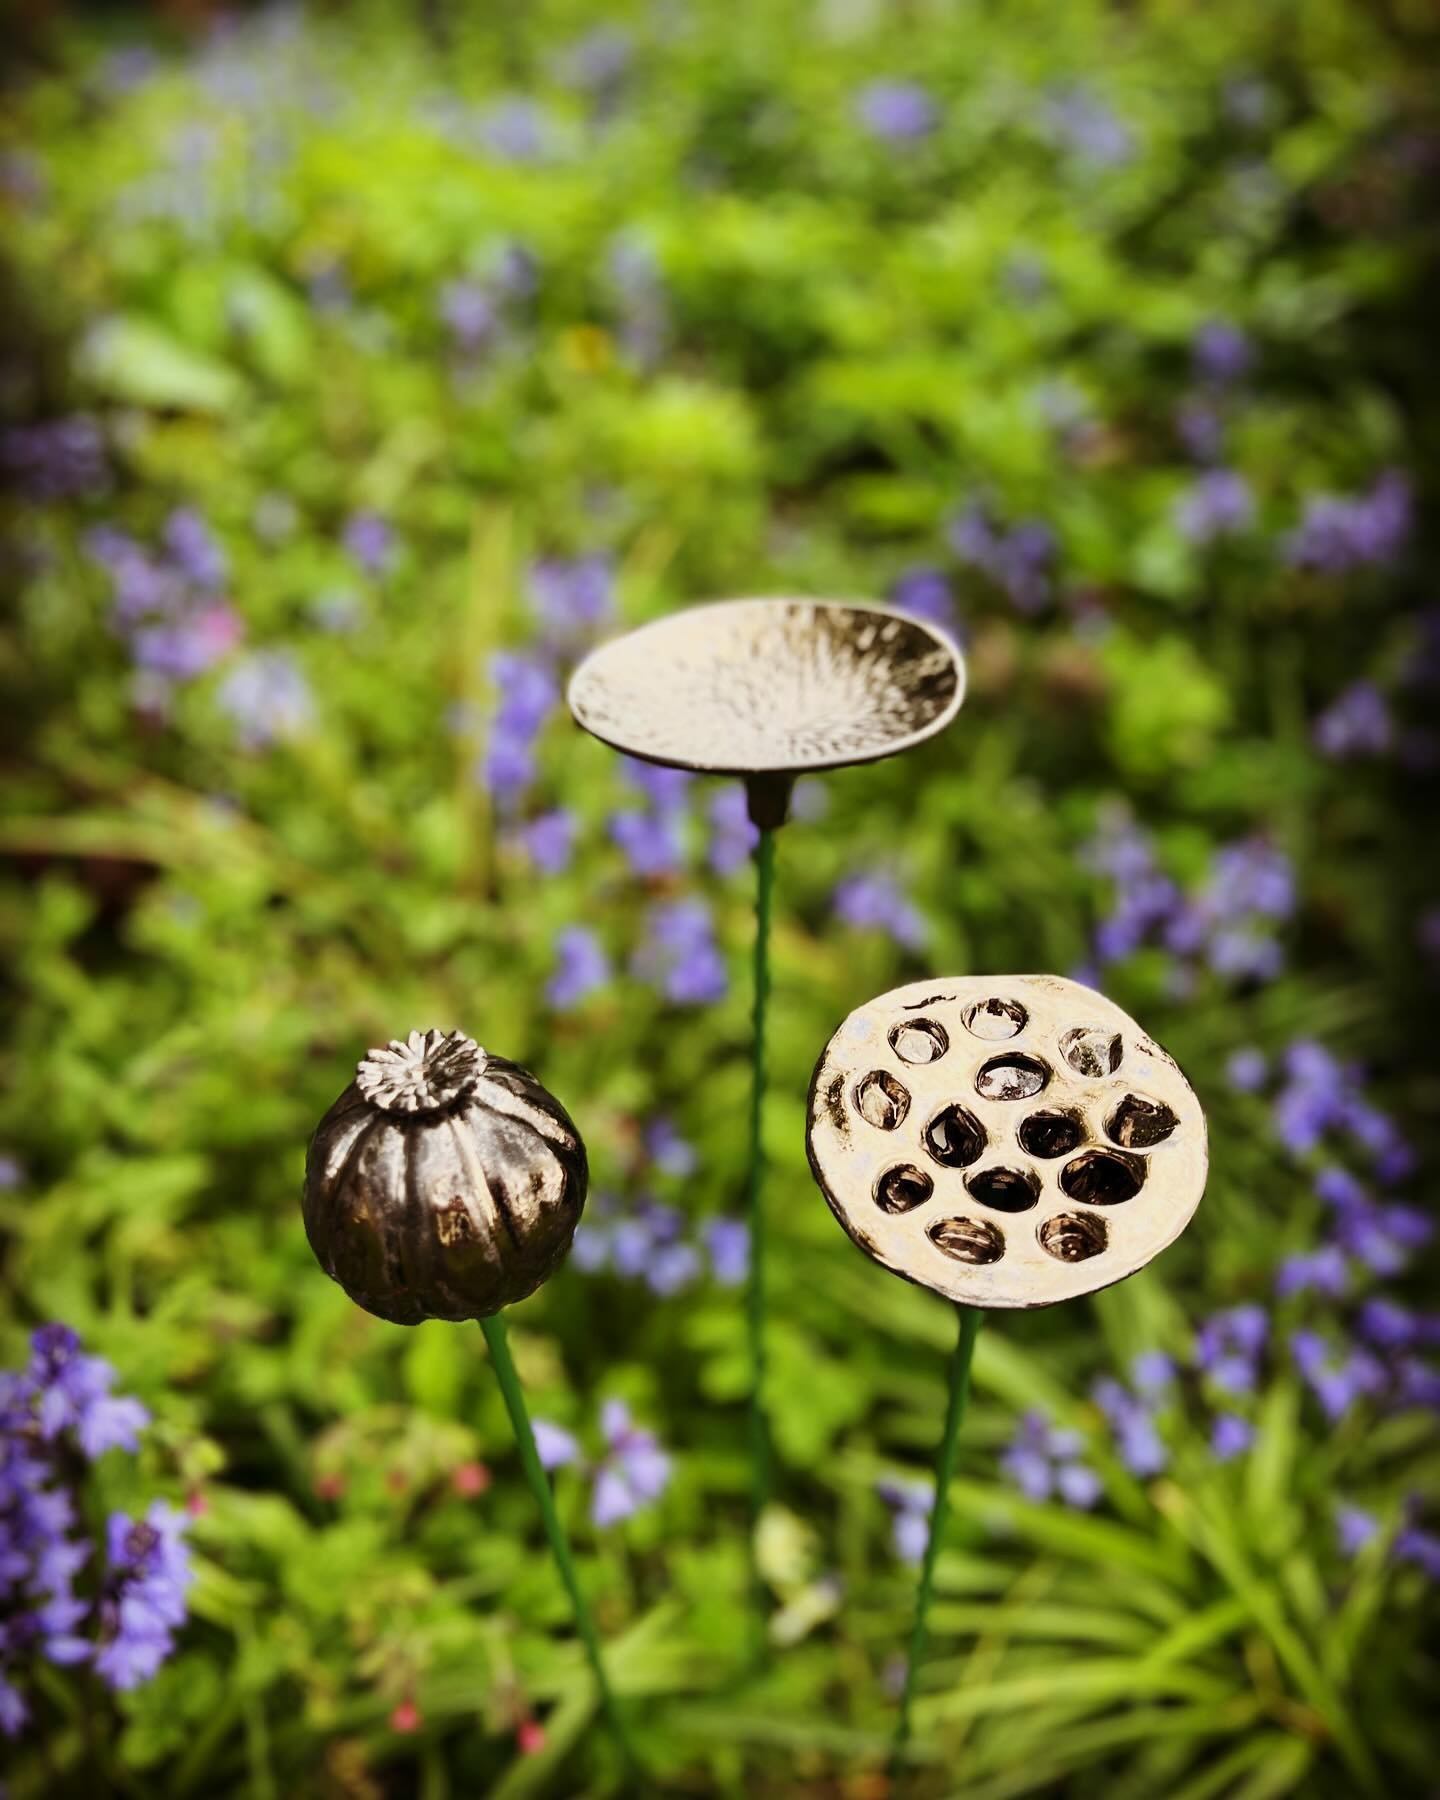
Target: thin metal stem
(944, 1470)
(505, 1373)
(760, 1475)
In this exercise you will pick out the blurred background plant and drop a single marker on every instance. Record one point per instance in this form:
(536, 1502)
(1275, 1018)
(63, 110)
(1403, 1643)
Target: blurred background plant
(363, 366)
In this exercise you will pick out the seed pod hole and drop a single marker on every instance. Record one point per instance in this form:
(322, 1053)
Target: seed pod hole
(1050, 1133)
(882, 1100)
(1092, 1050)
(919, 1041)
(955, 1138)
(1074, 1237)
(1013, 1077)
(995, 1019)
(1103, 1178)
(903, 1188)
(1140, 1124)
(968, 1240)
(1007, 1190)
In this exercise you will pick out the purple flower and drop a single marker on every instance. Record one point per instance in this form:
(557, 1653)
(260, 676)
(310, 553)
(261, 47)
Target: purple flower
(1354, 1528)
(599, 62)
(1200, 429)
(1153, 1373)
(1229, 1345)
(924, 593)
(634, 1471)
(145, 1603)
(1042, 1461)
(549, 840)
(57, 459)
(554, 1445)
(1356, 723)
(637, 283)
(190, 646)
(1222, 352)
(874, 902)
(1216, 504)
(672, 1268)
(1336, 535)
(74, 1394)
(194, 550)
(1019, 560)
(1137, 1441)
(1230, 1436)
(125, 1623)
(517, 129)
(910, 1503)
(651, 845)
(1087, 129)
(1247, 1070)
(1421, 1548)
(728, 1243)
(468, 312)
(572, 597)
(1337, 1382)
(581, 967)
(1322, 1271)
(526, 692)
(896, 112)
(679, 954)
(732, 835)
(370, 540)
(268, 698)
(11, 1173)
(667, 1150)
(525, 687)
(666, 789)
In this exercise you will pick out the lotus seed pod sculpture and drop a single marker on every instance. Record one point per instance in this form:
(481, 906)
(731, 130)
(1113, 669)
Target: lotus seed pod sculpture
(444, 1183)
(769, 689)
(1009, 1141)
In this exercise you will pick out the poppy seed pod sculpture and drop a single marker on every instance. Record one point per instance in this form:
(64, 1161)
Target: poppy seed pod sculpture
(1008, 1141)
(444, 1183)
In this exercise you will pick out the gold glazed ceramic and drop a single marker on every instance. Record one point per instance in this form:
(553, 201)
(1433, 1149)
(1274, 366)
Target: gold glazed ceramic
(770, 686)
(444, 1183)
(1008, 1140)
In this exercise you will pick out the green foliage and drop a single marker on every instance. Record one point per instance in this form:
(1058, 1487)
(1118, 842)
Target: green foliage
(238, 264)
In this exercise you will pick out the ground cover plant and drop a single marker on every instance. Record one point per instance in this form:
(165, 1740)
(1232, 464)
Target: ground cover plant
(364, 366)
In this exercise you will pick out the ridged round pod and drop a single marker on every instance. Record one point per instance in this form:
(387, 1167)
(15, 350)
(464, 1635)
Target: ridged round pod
(444, 1183)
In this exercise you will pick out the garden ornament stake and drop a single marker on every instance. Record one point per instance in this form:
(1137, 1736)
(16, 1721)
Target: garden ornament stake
(446, 1183)
(767, 690)
(1009, 1141)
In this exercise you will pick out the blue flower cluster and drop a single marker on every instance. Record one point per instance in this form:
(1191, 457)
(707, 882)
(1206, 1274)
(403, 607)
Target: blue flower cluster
(632, 1471)
(62, 1597)
(654, 1243)
(1043, 1460)
(1227, 925)
(1354, 1342)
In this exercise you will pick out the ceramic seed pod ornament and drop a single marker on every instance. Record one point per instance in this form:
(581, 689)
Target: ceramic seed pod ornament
(444, 1183)
(768, 689)
(1007, 1140)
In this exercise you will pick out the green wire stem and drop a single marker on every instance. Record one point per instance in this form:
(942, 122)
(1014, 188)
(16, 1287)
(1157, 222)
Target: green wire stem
(944, 1470)
(498, 1340)
(755, 1285)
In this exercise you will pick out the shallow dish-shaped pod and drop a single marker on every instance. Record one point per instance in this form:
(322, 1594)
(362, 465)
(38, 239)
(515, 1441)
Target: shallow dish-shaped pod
(1043, 1146)
(768, 689)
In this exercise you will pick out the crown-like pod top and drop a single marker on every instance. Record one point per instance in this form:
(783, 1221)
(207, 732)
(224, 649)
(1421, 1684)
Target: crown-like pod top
(443, 1183)
(770, 686)
(1008, 1140)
